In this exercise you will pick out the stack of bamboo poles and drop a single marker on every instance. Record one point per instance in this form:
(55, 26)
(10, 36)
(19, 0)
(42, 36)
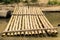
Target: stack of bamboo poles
(29, 21)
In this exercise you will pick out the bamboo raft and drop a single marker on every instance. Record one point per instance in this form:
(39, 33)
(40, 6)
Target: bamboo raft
(29, 21)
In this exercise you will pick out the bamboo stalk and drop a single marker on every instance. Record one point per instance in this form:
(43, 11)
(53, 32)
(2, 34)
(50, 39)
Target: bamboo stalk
(52, 31)
(28, 21)
(44, 23)
(10, 27)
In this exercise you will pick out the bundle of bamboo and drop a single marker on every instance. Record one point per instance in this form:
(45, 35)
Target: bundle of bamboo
(29, 21)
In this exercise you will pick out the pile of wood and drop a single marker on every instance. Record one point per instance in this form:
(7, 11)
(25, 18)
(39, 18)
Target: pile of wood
(29, 21)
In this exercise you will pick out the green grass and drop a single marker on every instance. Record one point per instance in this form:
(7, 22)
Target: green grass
(17, 1)
(53, 2)
(9, 1)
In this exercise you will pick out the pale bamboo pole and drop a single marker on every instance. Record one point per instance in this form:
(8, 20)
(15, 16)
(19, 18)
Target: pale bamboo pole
(20, 18)
(10, 19)
(44, 23)
(52, 31)
(31, 24)
(7, 28)
(37, 26)
(35, 22)
(37, 19)
(23, 22)
(43, 31)
(10, 27)
(49, 24)
(28, 18)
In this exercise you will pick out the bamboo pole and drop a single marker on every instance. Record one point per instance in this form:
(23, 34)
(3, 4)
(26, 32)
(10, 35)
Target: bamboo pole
(44, 23)
(52, 31)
